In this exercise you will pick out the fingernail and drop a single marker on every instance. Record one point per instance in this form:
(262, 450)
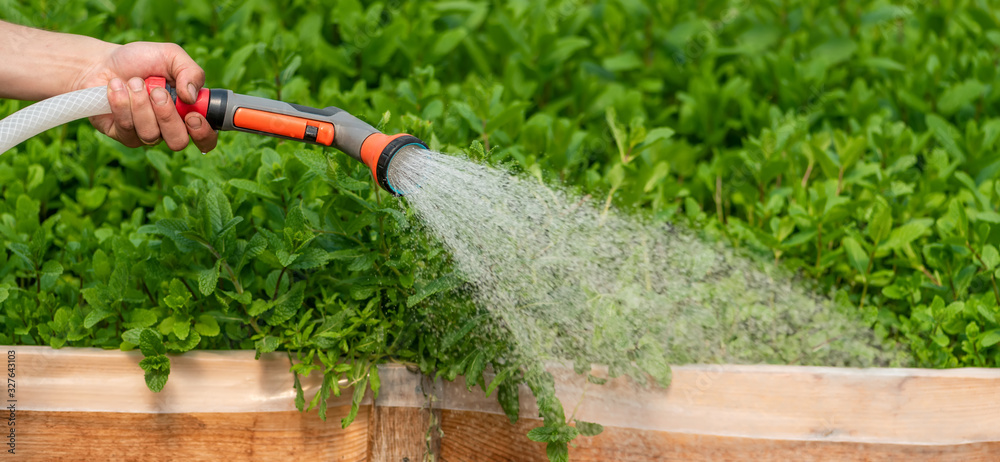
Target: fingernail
(136, 84)
(116, 84)
(194, 122)
(193, 91)
(159, 96)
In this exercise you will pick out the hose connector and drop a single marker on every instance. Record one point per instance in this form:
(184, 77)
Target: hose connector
(378, 150)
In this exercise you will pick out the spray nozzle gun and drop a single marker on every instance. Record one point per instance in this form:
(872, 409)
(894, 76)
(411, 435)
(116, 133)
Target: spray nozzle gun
(331, 126)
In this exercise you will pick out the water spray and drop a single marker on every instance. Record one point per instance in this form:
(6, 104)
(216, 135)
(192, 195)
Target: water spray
(226, 110)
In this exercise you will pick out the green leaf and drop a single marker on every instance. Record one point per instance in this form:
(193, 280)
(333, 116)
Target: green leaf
(959, 95)
(150, 343)
(182, 327)
(208, 279)
(374, 381)
(95, 316)
(880, 224)
(118, 283)
(446, 42)
(905, 234)
(856, 255)
(287, 304)
(588, 428)
(252, 187)
(140, 318)
(255, 247)
(92, 198)
(508, 394)
(508, 114)
(259, 306)
(286, 258)
(474, 369)
(359, 394)
(266, 345)
(51, 271)
(454, 336)
(442, 284)
(557, 452)
(157, 372)
(189, 342)
(990, 257)
(543, 434)
(132, 336)
(159, 161)
(207, 326)
(657, 134)
(155, 363)
(990, 338)
(883, 63)
(309, 258)
(101, 265)
(296, 222)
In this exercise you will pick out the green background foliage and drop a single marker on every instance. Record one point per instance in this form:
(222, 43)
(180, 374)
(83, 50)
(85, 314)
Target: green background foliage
(850, 141)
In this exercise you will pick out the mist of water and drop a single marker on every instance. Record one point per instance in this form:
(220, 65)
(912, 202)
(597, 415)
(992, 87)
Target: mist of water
(573, 282)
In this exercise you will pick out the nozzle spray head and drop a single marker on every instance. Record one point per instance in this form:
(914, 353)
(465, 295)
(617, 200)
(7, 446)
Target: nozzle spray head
(377, 153)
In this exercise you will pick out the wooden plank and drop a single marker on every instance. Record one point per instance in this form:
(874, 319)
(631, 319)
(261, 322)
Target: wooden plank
(403, 434)
(405, 427)
(825, 404)
(95, 380)
(714, 412)
(290, 435)
(475, 436)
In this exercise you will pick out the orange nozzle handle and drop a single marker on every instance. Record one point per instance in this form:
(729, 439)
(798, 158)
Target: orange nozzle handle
(284, 125)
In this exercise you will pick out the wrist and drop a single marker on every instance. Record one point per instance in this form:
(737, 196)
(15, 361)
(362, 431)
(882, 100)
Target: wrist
(90, 66)
(40, 64)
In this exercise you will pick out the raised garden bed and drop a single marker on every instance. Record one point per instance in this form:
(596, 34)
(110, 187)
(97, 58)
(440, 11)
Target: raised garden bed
(82, 403)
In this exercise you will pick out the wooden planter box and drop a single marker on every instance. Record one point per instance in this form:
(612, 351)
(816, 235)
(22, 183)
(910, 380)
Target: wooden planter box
(89, 404)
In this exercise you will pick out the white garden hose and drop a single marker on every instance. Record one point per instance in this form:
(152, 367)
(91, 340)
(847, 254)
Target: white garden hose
(51, 113)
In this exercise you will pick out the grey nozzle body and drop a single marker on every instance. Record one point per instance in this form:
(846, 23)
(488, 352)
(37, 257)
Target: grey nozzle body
(349, 131)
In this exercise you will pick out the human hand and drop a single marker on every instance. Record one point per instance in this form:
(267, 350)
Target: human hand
(139, 118)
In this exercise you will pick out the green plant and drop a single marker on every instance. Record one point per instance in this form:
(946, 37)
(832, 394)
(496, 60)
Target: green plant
(851, 141)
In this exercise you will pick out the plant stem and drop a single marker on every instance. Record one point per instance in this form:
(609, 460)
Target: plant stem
(277, 286)
(194, 295)
(145, 288)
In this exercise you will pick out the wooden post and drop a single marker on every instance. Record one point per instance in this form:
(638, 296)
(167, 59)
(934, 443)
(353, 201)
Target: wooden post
(406, 434)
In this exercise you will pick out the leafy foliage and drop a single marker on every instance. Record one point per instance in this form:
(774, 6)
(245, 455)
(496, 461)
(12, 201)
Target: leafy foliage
(851, 141)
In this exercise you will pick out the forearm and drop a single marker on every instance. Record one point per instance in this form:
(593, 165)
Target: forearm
(37, 64)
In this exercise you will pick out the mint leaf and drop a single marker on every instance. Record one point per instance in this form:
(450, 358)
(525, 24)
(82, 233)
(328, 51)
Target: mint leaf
(266, 345)
(557, 452)
(139, 318)
(588, 428)
(208, 279)
(51, 271)
(252, 187)
(182, 327)
(156, 379)
(207, 326)
(150, 343)
(442, 284)
(543, 434)
(95, 316)
(287, 304)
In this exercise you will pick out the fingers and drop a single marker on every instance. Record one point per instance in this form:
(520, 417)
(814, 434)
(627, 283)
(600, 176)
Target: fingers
(121, 127)
(143, 118)
(188, 76)
(204, 137)
(171, 127)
